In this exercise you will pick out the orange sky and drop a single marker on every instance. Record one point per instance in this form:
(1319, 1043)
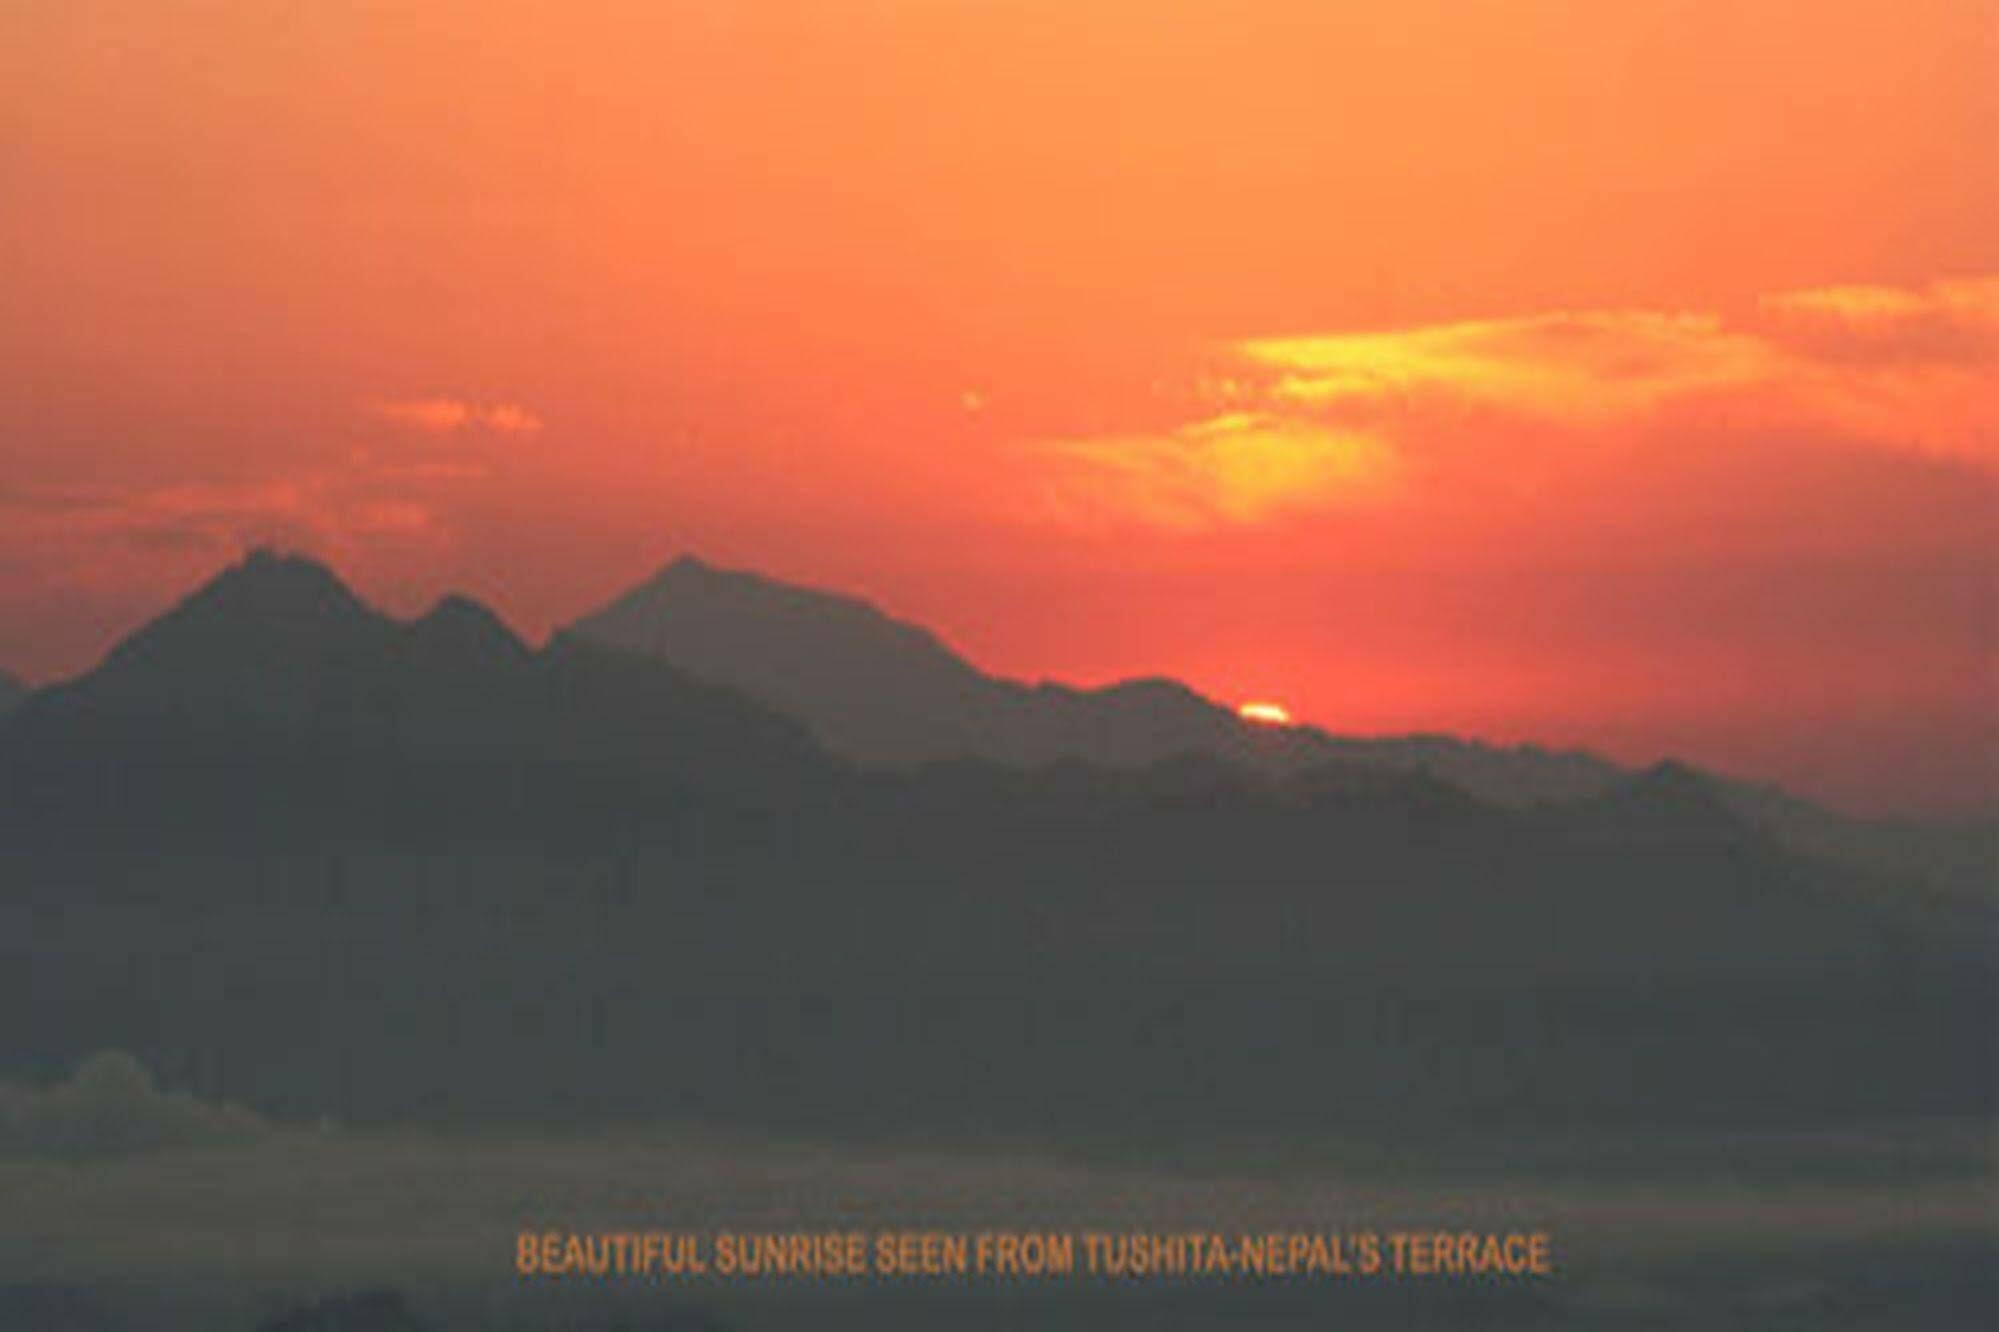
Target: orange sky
(1620, 373)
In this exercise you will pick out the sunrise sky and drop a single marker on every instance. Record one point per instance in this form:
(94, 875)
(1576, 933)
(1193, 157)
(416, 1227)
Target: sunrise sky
(1621, 373)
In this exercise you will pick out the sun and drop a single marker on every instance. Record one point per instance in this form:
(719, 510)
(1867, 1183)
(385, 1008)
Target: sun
(1265, 714)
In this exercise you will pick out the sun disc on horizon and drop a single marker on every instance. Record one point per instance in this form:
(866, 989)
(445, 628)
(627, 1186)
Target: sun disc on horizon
(1262, 713)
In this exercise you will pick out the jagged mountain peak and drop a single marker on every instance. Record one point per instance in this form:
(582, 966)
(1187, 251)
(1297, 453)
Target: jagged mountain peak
(252, 616)
(460, 624)
(850, 670)
(1672, 800)
(1671, 783)
(270, 582)
(881, 689)
(690, 586)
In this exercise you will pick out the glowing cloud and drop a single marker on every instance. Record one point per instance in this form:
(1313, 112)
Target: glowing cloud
(438, 416)
(1237, 467)
(1312, 421)
(1589, 365)
(1973, 301)
(509, 419)
(444, 416)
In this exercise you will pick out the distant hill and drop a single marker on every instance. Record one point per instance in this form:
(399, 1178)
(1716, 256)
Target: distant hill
(12, 691)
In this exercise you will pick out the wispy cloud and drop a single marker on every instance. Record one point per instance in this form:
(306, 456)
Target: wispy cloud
(509, 419)
(1579, 366)
(311, 508)
(1941, 325)
(446, 415)
(118, 536)
(374, 496)
(1972, 301)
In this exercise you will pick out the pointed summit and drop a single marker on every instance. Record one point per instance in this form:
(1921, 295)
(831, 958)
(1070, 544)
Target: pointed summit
(882, 690)
(269, 645)
(461, 629)
(270, 582)
(869, 685)
(1672, 789)
(1669, 802)
(687, 565)
(732, 600)
(267, 609)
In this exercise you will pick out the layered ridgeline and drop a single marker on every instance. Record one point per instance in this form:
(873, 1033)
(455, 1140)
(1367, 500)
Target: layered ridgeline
(883, 691)
(294, 852)
(880, 690)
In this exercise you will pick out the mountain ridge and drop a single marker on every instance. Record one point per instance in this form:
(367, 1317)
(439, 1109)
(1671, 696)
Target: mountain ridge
(678, 612)
(839, 668)
(881, 706)
(879, 689)
(538, 868)
(276, 656)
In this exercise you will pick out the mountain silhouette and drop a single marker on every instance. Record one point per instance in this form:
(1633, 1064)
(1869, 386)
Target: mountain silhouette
(12, 691)
(881, 690)
(721, 674)
(386, 867)
(884, 691)
(276, 667)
